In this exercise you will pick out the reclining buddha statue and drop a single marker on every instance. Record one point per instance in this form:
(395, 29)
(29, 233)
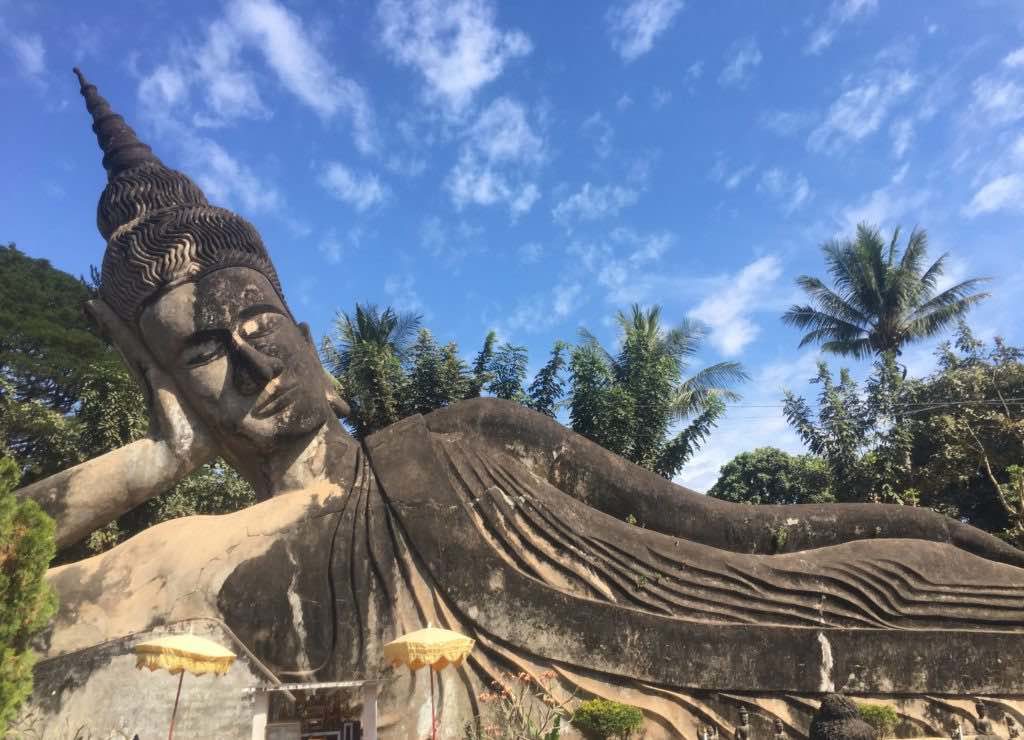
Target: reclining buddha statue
(483, 517)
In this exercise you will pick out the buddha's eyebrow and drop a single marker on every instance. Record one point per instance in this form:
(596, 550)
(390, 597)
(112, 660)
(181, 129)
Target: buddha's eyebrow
(202, 336)
(257, 309)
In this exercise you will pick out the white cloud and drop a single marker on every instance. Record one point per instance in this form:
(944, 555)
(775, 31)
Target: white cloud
(660, 98)
(884, 207)
(530, 253)
(623, 102)
(727, 308)
(860, 111)
(840, 13)
(785, 123)
(592, 203)
(566, 299)
(695, 71)
(227, 85)
(902, 134)
(635, 25)
(793, 191)
(1015, 58)
(499, 153)
(226, 180)
(997, 101)
(600, 132)
(334, 246)
(29, 53)
(542, 310)
(455, 45)
(744, 57)
(729, 179)
(1003, 193)
(402, 294)
(621, 264)
(359, 191)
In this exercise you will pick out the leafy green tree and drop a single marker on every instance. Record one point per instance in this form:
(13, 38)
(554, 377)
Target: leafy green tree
(27, 601)
(548, 386)
(968, 446)
(629, 402)
(881, 300)
(507, 369)
(481, 374)
(46, 343)
(768, 475)
(603, 719)
(366, 355)
(455, 378)
(437, 376)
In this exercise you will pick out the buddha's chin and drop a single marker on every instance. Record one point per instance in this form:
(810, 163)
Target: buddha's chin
(288, 424)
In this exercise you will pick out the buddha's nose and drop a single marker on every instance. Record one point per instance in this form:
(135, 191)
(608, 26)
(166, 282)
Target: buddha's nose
(253, 369)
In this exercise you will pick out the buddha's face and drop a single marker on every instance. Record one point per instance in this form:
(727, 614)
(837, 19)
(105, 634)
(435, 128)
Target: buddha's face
(246, 368)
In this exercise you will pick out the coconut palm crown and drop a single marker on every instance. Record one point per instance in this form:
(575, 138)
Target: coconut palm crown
(880, 300)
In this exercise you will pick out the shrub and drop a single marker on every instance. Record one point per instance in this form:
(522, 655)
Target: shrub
(518, 706)
(600, 719)
(26, 601)
(883, 719)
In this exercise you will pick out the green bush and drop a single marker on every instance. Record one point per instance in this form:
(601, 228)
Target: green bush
(27, 601)
(882, 719)
(600, 719)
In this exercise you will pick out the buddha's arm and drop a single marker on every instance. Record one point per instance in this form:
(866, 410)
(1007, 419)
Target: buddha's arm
(617, 487)
(95, 493)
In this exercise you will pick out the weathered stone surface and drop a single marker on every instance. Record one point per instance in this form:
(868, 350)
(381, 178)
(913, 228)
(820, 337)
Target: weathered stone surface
(838, 719)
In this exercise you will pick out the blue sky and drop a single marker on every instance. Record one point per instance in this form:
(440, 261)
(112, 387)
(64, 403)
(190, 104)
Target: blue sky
(532, 167)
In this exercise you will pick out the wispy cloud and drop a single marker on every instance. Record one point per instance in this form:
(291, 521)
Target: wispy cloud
(334, 245)
(786, 122)
(600, 132)
(530, 253)
(1002, 193)
(228, 91)
(728, 177)
(361, 191)
(860, 110)
(621, 264)
(728, 307)
(29, 54)
(902, 134)
(839, 14)
(743, 58)
(593, 203)
(402, 294)
(660, 97)
(791, 190)
(886, 206)
(997, 101)
(499, 154)
(225, 179)
(633, 26)
(1015, 58)
(456, 45)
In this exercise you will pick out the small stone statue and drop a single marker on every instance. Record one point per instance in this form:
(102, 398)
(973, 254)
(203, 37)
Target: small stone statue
(778, 729)
(743, 729)
(983, 725)
(704, 734)
(958, 734)
(838, 719)
(1012, 729)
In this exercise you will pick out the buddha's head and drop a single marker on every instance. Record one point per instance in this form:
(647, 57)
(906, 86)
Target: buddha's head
(196, 285)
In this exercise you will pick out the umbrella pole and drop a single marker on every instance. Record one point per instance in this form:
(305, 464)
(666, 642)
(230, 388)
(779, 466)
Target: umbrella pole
(433, 716)
(170, 733)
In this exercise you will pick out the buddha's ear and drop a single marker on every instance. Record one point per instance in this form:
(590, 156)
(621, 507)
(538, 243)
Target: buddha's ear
(338, 404)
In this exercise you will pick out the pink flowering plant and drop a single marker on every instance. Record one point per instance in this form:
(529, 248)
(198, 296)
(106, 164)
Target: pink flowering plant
(519, 706)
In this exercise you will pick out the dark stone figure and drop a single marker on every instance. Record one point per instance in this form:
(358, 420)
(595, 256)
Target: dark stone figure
(983, 725)
(838, 719)
(778, 729)
(1012, 728)
(484, 517)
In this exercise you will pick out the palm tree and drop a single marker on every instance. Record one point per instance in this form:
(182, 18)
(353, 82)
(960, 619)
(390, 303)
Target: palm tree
(366, 356)
(628, 402)
(881, 300)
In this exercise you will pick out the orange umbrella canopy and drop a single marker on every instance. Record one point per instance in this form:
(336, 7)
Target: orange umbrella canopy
(178, 653)
(432, 646)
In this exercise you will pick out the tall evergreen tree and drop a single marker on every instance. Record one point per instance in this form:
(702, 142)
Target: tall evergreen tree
(548, 386)
(424, 392)
(481, 365)
(881, 300)
(507, 369)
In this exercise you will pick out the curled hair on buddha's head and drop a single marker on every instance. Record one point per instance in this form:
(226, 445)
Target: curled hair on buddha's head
(159, 227)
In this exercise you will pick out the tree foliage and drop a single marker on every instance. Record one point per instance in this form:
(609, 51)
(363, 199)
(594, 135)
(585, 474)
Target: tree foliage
(603, 719)
(507, 370)
(880, 300)
(630, 402)
(27, 601)
(548, 386)
(768, 475)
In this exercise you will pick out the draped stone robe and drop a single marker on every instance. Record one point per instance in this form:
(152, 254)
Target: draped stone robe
(476, 518)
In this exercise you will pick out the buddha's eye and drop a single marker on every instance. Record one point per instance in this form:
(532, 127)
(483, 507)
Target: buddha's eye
(260, 325)
(203, 352)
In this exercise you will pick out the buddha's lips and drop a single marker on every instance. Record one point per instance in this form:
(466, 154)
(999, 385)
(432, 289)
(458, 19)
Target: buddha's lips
(273, 399)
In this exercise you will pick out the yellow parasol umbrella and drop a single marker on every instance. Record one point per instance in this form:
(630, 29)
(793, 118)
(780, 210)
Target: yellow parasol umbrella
(433, 647)
(180, 653)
